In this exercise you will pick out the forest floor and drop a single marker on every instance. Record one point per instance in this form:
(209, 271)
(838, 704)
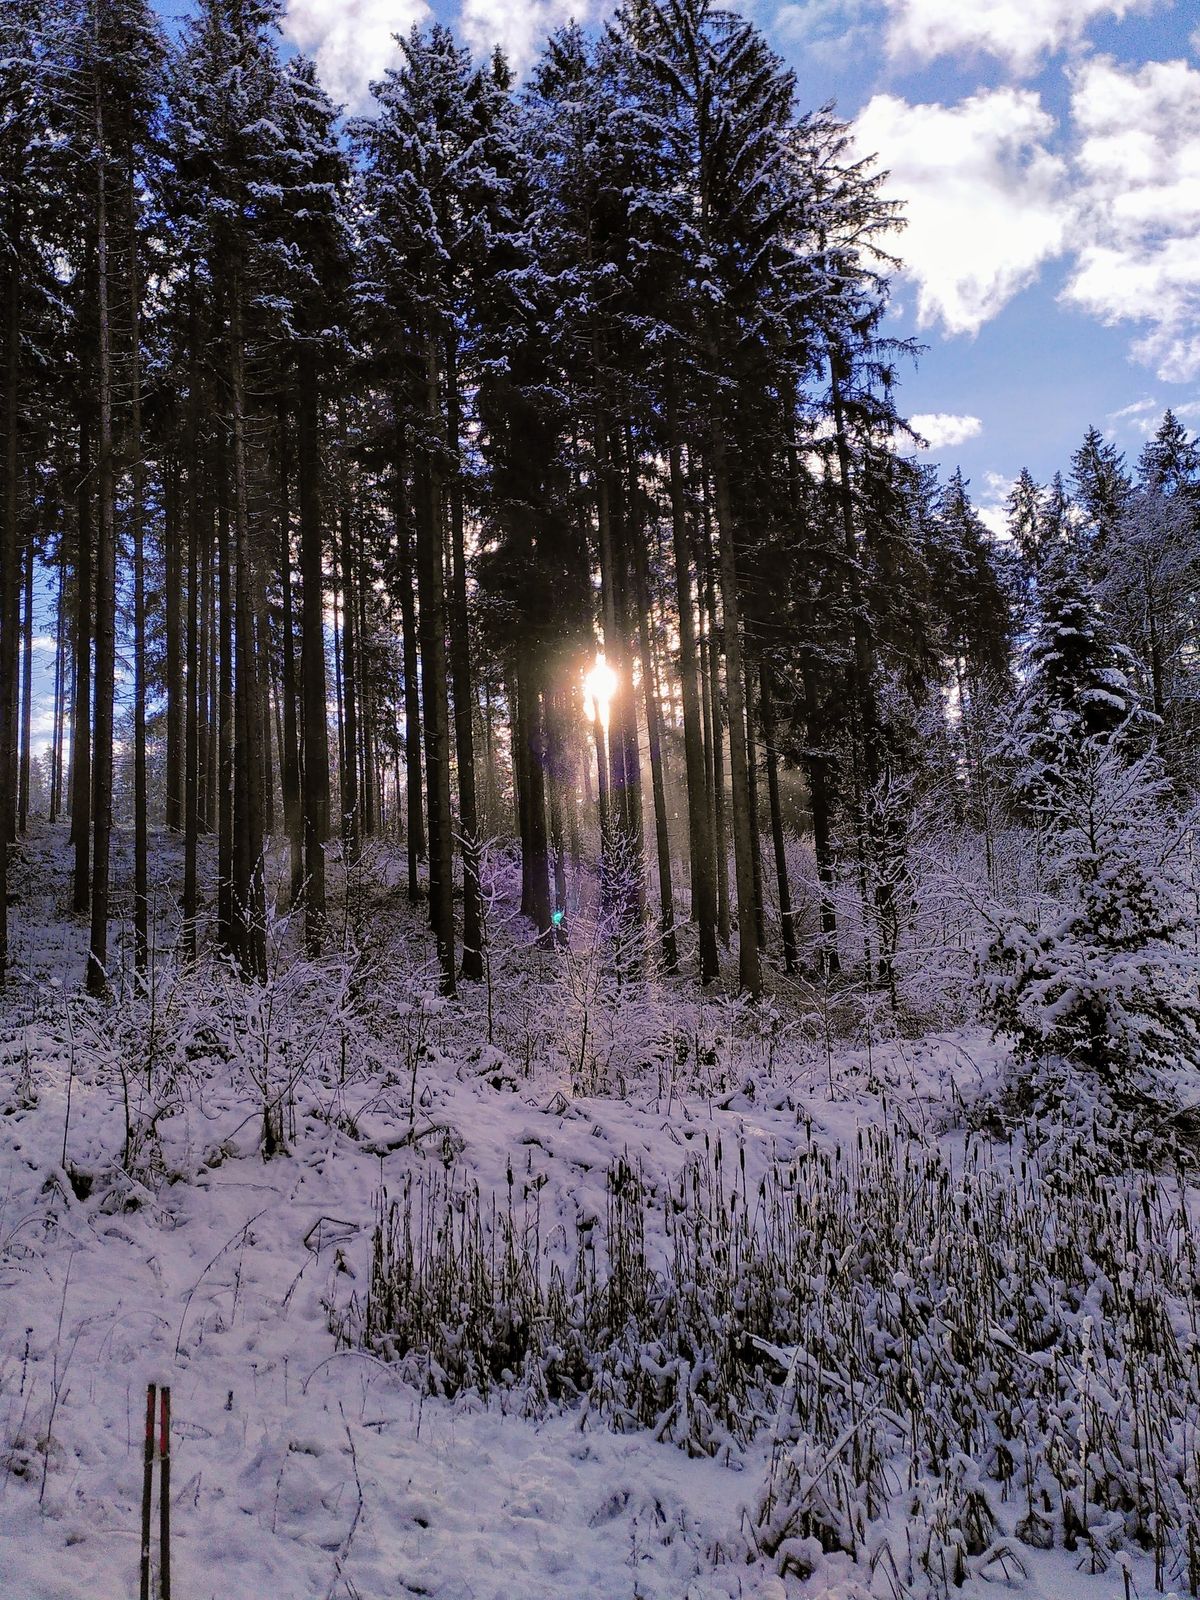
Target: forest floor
(178, 1254)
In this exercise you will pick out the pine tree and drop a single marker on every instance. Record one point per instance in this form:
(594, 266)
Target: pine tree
(1102, 489)
(1078, 685)
(1097, 991)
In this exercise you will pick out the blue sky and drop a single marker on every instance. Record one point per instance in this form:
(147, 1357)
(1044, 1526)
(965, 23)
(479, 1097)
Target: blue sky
(1049, 155)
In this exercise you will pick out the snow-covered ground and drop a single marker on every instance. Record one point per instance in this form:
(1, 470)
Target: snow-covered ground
(301, 1467)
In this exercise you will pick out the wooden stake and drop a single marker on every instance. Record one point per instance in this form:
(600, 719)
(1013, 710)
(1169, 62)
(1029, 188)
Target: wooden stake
(164, 1494)
(147, 1491)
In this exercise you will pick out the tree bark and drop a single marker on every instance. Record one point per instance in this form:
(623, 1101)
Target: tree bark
(293, 813)
(700, 848)
(464, 695)
(176, 773)
(314, 711)
(141, 875)
(350, 796)
(106, 587)
(749, 968)
(778, 839)
(26, 686)
(8, 565)
(81, 722)
(414, 815)
(431, 587)
(250, 911)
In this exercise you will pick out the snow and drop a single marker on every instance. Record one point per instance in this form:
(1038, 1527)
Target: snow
(303, 1468)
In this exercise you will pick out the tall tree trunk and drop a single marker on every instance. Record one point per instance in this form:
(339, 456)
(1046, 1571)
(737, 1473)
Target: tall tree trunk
(431, 588)
(464, 695)
(350, 795)
(194, 684)
(141, 875)
(81, 721)
(535, 846)
(250, 912)
(223, 685)
(555, 776)
(783, 886)
(700, 848)
(106, 589)
(622, 859)
(314, 709)
(26, 684)
(293, 813)
(714, 728)
(368, 779)
(262, 646)
(749, 971)
(8, 564)
(176, 772)
(60, 680)
(864, 765)
(760, 919)
(207, 696)
(670, 948)
(414, 814)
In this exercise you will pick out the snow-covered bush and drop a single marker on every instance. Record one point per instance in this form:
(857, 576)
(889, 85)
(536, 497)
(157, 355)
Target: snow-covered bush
(1096, 977)
(1097, 983)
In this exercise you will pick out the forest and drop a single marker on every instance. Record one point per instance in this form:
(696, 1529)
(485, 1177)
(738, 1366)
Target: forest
(471, 602)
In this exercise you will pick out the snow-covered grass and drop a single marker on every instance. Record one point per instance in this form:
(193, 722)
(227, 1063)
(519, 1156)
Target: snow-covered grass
(716, 1302)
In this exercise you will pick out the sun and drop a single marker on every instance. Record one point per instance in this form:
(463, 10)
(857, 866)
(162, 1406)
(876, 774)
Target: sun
(599, 687)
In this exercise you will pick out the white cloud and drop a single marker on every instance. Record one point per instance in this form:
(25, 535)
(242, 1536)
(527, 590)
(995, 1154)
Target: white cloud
(1138, 166)
(991, 503)
(1140, 416)
(519, 27)
(942, 429)
(827, 30)
(1019, 32)
(985, 198)
(351, 40)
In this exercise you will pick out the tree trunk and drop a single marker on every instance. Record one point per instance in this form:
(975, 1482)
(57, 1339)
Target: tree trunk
(662, 840)
(350, 798)
(760, 920)
(749, 971)
(193, 702)
(8, 568)
(715, 731)
(431, 588)
(464, 695)
(293, 813)
(250, 911)
(141, 875)
(314, 710)
(700, 849)
(176, 773)
(26, 687)
(786, 921)
(535, 850)
(60, 680)
(224, 694)
(81, 721)
(414, 815)
(106, 590)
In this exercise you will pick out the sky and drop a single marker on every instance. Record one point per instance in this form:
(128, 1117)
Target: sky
(1048, 155)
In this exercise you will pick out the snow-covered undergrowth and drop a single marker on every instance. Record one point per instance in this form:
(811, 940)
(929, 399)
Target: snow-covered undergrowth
(979, 1355)
(644, 1295)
